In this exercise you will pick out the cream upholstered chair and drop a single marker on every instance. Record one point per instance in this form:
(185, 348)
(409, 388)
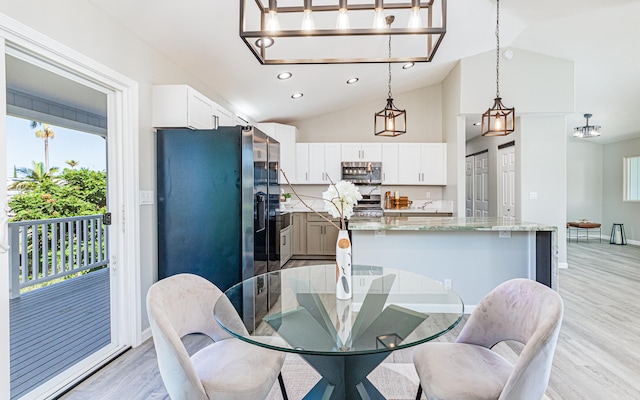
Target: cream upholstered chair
(522, 310)
(226, 369)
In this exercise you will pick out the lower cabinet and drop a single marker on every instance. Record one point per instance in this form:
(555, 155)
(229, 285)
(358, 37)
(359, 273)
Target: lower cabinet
(313, 235)
(321, 236)
(299, 234)
(285, 245)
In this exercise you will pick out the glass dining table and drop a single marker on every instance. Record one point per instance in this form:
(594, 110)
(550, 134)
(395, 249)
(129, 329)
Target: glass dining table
(296, 310)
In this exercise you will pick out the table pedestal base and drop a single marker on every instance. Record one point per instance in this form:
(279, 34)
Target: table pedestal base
(344, 377)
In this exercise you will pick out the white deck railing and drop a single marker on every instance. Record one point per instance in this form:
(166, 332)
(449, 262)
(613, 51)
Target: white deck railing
(43, 250)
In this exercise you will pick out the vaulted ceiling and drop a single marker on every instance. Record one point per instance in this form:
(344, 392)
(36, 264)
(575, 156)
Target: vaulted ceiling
(601, 37)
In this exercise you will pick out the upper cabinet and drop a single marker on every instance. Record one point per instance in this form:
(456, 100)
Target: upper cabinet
(361, 152)
(390, 164)
(422, 163)
(318, 163)
(181, 106)
(286, 136)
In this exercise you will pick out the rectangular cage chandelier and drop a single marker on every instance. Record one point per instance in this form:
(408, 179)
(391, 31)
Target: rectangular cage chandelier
(337, 32)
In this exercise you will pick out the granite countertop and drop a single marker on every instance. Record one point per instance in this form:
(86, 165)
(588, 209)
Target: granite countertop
(444, 224)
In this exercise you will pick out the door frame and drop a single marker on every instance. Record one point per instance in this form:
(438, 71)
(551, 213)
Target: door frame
(122, 114)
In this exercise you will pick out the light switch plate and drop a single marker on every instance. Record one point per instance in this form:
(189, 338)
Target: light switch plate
(146, 197)
(533, 195)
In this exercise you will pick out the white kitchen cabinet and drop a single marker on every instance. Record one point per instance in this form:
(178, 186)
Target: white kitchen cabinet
(286, 136)
(390, 163)
(181, 106)
(422, 164)
(302, 163)
(322, 163)
(361, 152)
(224, 116)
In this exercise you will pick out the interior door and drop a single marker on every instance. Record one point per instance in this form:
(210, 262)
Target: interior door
(507, 183)
(481, 184)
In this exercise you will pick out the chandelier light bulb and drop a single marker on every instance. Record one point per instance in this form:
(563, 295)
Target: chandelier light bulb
(379, 21)
(273, 24)
(497, 125)
(391, 122)
(415, 22)
(307, 21)
(343, 19)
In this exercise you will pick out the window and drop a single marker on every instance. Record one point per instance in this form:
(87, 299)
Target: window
(632, 178)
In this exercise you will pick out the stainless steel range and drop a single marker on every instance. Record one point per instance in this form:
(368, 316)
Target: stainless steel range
(369, 206)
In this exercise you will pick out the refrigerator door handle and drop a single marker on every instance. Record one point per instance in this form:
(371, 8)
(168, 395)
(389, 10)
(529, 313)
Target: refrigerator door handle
(261, 206)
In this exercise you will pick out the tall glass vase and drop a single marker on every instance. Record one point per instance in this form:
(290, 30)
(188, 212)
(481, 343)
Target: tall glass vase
(343, 266)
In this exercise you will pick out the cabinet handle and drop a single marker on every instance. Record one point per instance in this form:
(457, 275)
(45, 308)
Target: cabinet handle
(306, 176)
(284, 240)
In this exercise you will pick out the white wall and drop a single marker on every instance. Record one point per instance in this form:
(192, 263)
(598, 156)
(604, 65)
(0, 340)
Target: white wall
(453, 126)
(355, 124)
(614, 209)
(548, 86)
(84, 28)
(584, 181)
(543, 171)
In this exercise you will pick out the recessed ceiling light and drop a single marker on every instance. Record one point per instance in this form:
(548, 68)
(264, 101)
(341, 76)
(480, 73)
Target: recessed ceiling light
(268, 42)
(353, 80)
(296, 95)
(284, 75)
(408, 65)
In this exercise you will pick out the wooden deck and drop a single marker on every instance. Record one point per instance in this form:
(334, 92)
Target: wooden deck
(54, 327)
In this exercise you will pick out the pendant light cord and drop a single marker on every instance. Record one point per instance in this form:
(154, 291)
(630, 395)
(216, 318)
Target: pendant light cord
(389, 64)
(497, 48)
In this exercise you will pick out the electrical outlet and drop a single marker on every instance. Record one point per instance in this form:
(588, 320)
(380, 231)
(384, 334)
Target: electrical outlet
(533, 195)
(428, 195)
(379, 234)
(504, 234)
(448, 283)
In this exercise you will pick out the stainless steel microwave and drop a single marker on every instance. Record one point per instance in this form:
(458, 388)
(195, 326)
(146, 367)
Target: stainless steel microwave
(362, 172)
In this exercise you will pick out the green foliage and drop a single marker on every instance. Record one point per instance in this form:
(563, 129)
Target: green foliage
(72, 193)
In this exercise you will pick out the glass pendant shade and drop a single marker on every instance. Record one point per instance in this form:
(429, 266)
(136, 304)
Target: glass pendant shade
(272, 23)
(342, 23)
(391, 121)
(498, 120)
(415, 22)
(307, 17)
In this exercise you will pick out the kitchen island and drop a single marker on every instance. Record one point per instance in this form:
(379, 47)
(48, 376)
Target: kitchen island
(473, 255)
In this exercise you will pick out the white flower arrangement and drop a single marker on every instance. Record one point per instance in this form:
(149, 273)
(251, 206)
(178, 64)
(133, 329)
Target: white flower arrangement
(339, 199)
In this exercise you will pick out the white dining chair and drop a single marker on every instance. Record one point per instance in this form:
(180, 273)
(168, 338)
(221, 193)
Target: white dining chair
(521, 310)
(226, 369)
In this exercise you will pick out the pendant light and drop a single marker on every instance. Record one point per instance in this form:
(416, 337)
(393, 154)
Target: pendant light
(391, 121)
(498, 120)
(587, 131)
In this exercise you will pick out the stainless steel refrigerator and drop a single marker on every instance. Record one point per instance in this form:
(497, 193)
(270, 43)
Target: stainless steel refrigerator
(218, 199)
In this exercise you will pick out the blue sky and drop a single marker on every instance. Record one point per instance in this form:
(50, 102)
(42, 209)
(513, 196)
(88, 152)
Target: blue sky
(23, 147)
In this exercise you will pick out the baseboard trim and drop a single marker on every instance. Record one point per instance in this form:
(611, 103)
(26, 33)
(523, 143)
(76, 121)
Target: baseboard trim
(145, 335)
(563, 265)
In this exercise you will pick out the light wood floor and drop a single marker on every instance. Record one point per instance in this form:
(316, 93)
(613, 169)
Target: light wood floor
(598, 353)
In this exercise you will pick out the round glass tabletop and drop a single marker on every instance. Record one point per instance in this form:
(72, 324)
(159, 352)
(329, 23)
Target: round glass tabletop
(296, 310)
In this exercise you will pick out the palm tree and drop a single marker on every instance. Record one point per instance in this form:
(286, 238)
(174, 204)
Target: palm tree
(31, 177)
(72, 163)
(45, 133)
